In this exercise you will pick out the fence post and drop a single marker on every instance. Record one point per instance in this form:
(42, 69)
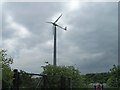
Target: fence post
(70, 83)
(16, 80)
(44, 82)
(63, 82)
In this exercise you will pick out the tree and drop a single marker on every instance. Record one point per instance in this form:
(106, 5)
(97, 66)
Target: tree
(54, 74)
(6, 73)
(114, 79)
(96, 77)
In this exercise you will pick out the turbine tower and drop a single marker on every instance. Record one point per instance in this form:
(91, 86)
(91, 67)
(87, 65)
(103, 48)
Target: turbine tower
(54, 26)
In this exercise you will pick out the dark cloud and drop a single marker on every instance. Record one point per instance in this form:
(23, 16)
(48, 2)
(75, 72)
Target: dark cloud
(95, 30)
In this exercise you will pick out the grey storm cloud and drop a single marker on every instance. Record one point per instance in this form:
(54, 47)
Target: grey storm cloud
(90, 44)
(95, 31)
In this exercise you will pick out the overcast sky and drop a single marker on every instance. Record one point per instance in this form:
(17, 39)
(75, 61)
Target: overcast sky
(90, 43)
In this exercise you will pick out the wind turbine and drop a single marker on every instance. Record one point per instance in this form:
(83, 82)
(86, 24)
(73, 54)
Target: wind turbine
(54, 26)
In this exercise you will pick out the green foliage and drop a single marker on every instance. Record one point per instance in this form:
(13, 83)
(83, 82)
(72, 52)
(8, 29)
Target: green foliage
(6, 72)
(114, 79)
(4, 59)
(68, 72)
(95, 78)
(54, 74)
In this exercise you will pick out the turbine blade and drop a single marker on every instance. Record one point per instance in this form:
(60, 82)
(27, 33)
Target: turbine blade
(62, 27)
(50, 22)
(58, 18)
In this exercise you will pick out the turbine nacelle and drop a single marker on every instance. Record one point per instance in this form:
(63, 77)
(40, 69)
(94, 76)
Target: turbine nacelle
(65, 28)
(54, 24)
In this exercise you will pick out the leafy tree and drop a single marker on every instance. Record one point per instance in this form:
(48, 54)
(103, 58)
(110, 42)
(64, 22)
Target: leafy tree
(6, 72)
(55, 73)
(114, 79)
(97, 77)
